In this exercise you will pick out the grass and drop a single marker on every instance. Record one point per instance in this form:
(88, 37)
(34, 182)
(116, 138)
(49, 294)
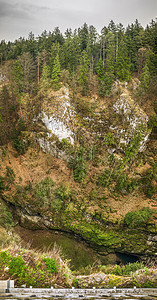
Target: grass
(34, 269)
(49, 268)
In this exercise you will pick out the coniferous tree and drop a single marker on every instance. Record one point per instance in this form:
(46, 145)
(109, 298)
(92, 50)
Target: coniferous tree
(83, 36)
(101, 77)
(45, 78)
(56, 71)
(83, 73)
(144, 80)
(123, 63)
(106, 84)
(100, 69)
(71, 50)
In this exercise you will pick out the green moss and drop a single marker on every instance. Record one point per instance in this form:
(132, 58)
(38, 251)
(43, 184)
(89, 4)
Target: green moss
(138, 218)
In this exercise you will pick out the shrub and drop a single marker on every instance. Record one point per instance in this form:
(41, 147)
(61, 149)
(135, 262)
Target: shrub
(138, 218)
(147, 186)
(51, 265)
(122, 270)
(124, 184)
(110, 140)
(126, 270)
(78, 163)
(5, 218)
(1, 184)
(10, 174)
(63, 193)
(20, 145)
(43, 189)
(105, 178)
(153, 123)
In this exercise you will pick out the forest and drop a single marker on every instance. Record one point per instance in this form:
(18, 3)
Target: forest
(87, 61)
(98, 183)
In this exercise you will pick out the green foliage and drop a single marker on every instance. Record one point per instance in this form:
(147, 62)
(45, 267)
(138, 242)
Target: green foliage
(22, 272)
(6, 220)
(0, 117)
(149, 284)
(138, 218)
(147, 181)
(21, 126)
(10, 175)
(153, 123)
(15, 264)
(105, 178)
(110, 140)
(100, 69)
(1, 184)
(51, 265)
(56, 71)
(20, 143)
(123, 64)
(45, 78)
(92, 152)
(63, 193)
(79, 165)
(75, 282)
(36, 269)
(127, 270)
(123, 183)
(83, 73)
(144, 80)
(44, 191)
(133, 147)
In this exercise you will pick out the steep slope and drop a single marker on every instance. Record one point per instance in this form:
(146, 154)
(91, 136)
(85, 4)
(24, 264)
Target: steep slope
(96, 177)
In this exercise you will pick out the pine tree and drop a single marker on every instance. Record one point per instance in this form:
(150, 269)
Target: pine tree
(106, 84)
(110, 57)
(84, 36)
(45, 78)
(145, 78)
(123, 63)
(100, 69)
(56, 71)
(83, 71)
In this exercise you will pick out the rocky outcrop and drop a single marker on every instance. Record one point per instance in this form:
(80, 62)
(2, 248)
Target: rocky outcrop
(63, 121)
(105, 240)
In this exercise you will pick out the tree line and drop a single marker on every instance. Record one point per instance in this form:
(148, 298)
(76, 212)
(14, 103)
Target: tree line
(115, 53)
(85, 60)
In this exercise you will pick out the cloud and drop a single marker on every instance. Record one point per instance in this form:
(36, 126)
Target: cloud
(12, 10)
(19, 17)
(20, 10)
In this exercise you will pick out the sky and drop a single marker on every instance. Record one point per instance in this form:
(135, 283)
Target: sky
(20, 17)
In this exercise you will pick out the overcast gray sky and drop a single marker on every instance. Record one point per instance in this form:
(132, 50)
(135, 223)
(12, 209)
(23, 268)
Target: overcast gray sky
(19, 17)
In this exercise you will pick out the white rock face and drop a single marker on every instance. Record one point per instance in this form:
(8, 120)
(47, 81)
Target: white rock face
(57, 124)
(57, 127)
(60, 117)
(134, 121)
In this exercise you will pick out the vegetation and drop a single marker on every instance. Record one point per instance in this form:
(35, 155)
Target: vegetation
(138, 218)
(103, 186)
(6, 219)
(34, 269)
(79, 165)
(48, 269)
